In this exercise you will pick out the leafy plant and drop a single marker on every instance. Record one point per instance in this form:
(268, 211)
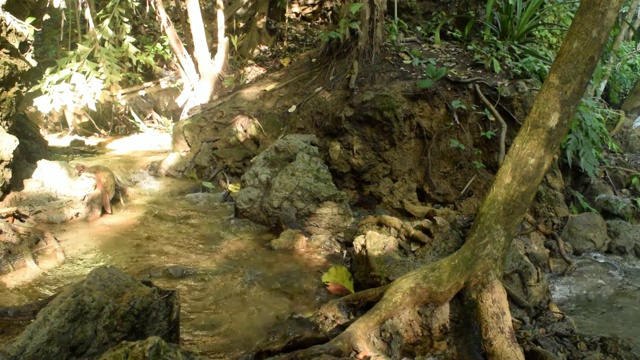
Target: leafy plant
(625, 73)
(457, 104)
(432, 74)
(345, 25)
(454, 143)
(488, 134)
(588, 137)
(518, 20)
(479, 165)
(582, 203)
(100, 65)
(521, 35)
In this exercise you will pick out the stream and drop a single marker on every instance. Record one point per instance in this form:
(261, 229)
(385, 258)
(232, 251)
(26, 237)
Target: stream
(233, 289)
(602, 295)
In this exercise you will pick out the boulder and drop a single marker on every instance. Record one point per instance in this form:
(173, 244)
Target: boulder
(89, 318)
(586, 232)
(625, 237)
(56, 193)
(289, 186)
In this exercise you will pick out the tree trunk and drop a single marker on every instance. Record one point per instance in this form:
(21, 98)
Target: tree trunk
(209, 70)
(189, 74)
(624, 31)
(631, 104)
(257, 34)
(479, 263)
(200, 46)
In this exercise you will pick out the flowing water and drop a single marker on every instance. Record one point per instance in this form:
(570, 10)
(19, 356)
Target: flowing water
(232, 287)
(602, 296)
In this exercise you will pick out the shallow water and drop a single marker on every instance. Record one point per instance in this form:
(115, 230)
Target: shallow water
(602, 296)
(232, 287)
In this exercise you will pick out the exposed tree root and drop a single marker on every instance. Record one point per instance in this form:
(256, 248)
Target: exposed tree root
(498, 336)
(413, 307)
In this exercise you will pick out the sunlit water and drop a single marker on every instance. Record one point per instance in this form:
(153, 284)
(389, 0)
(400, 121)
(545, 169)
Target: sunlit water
(232, 287)
(602, 296)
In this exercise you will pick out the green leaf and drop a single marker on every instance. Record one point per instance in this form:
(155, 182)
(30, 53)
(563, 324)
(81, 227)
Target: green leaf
(208, 185)
(425, 83)
(339, 274)
(355, 7)
(457, 104)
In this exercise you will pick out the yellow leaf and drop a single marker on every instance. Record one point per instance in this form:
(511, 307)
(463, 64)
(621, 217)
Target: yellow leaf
(234, 187)
(338, 274)
(285, 62)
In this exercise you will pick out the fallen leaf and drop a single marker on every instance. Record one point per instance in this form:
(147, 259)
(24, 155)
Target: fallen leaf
(338, 275)
(285, 62)
(337, 289)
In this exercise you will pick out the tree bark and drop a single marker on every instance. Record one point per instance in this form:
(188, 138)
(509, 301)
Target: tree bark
(479, 263)
(189, 74)
(624, 31)
(209, 70)
(631, 104)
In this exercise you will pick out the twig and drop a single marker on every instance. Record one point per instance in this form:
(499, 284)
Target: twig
(468, 184)
(503, 124)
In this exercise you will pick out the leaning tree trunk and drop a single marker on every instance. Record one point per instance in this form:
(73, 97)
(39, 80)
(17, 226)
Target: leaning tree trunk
(598, 89)
(188, 69)
(631, 104)
(210, 70)
(478, 265)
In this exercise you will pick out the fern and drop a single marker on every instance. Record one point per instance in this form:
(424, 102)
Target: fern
(588, 137)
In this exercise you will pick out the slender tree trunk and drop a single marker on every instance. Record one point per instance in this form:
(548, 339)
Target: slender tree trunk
(200, 47)
(209, 70)
(189, 74)
(613, 59)
(631, 103)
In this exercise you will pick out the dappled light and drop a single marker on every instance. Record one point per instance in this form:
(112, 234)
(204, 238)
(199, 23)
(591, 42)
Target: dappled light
(319, 179)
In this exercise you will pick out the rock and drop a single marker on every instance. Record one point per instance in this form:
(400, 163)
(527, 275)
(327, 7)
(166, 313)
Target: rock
(289, 185)
(419, 211)
(31, 148)
(625, 237)
(105, 184)
(289, 240)
(8, 143)
(586, 232)
(614, 206)
(526, 255)
(151, 348)
(56, 193)
(95, 315)
(378, 259)
(601, 197)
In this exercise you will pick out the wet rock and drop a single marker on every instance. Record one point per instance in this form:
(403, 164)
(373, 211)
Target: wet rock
(95, 315)
(289, 185)
(168, 272)
(586, 232)
(289, 240)
(56, 193)
(151, 348)
(625, 237)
